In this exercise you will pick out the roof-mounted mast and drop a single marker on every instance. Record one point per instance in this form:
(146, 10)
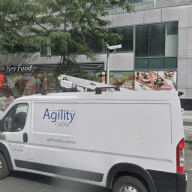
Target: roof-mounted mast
(74, 84)
(83, 84)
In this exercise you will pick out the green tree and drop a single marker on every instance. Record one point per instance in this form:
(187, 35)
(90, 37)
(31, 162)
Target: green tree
(58, 25)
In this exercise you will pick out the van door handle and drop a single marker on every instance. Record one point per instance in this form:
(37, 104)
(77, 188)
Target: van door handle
(25, 137)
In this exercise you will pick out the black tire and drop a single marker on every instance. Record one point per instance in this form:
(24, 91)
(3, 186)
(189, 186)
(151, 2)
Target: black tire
(132, 183)
(4, 171)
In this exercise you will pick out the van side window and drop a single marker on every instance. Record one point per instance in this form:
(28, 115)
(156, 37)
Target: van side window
(8, 120)
(16, 118)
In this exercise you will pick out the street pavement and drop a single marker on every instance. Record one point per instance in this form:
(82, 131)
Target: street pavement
(28, 182)
(187, 125)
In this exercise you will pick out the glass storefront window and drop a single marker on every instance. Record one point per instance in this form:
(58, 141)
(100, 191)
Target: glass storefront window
(18, 84)
(171, 39)
(170, 63)
(39, 82)
(51, 82)
(127, 41)
(29, 84)
(157, 40)
(11, 86)
(141, 64)
(156, 63)
(156, 43)
(150, 40)
(44, 83)
(142, 41)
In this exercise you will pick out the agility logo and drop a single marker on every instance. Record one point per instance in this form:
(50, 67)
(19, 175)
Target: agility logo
(61, 117)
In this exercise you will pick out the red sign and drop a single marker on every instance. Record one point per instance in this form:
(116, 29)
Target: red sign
(0, 83)
(126, 86)
(1, 77)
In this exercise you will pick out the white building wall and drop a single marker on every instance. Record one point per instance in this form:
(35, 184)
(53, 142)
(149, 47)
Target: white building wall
(152, 16)
(170, 14)
(117, 61)
(136, 18)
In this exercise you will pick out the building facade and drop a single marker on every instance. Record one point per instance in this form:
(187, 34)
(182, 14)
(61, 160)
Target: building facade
(157, 44)
(162, 40)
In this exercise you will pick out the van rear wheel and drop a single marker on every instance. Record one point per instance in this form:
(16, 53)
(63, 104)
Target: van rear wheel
(4, 170)
(128, 184)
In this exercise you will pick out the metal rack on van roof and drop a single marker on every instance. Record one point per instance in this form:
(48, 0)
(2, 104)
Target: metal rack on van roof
(74, 84)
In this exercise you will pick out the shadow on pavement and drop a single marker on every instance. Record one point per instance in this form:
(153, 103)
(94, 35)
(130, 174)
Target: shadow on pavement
(60, 184)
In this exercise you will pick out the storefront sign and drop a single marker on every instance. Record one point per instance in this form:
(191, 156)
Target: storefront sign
(127, 86)
(16, 68)
(2, 69)
(166, 87)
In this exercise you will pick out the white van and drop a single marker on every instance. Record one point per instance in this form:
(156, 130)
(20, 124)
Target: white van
(126, 141)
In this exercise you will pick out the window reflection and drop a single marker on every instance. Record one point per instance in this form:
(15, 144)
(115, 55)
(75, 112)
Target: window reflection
(39, 82)
(29, 84)
(127, 41)
(51, 82)
(11, 85)
(19, 84)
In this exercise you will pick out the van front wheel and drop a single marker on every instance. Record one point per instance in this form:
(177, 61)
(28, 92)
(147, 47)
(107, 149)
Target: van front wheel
(128, 184)
(4, 170)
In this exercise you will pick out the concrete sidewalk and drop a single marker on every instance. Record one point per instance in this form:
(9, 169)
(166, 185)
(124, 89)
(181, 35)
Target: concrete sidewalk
(187, 125)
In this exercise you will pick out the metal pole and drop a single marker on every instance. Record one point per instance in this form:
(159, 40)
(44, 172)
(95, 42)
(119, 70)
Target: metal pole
(107, 67)
(155, 3)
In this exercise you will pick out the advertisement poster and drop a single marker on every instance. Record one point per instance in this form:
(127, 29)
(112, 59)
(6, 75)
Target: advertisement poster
(98, 77)
(122, 79)
(155, 80)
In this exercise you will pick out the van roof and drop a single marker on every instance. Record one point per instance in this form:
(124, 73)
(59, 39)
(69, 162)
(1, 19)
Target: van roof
(118, 95)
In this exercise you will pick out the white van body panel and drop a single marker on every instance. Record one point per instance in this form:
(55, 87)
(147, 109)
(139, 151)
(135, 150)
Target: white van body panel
(92, 133)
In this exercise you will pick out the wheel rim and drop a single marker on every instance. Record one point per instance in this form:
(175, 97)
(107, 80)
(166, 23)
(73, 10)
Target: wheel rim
(128, 188)
(1, 167)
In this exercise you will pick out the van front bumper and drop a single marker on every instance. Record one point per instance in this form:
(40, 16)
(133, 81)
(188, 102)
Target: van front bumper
(166, 182)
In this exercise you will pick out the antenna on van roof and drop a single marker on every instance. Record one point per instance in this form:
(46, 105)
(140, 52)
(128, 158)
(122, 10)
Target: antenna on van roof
(67, 81)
